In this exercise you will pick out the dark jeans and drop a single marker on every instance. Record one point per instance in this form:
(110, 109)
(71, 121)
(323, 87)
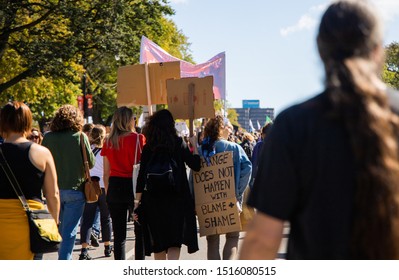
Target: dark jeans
(89, 214)
(120, 198)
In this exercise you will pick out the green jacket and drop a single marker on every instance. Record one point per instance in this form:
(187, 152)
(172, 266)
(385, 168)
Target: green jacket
(68, 158)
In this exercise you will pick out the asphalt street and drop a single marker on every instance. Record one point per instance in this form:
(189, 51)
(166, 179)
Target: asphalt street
(98, 253)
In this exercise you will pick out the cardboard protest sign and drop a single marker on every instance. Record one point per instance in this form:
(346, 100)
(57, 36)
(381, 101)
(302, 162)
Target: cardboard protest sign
(159, 74)
(132, 83)
(131, 86)
(215, 199)
(179, 98)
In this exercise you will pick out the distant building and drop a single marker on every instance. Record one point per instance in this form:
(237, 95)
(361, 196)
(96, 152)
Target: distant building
(256, 115)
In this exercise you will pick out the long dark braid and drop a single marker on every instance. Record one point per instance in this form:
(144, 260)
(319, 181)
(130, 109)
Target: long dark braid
(348, 35)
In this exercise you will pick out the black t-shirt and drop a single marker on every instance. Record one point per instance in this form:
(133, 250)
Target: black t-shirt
(308, 178)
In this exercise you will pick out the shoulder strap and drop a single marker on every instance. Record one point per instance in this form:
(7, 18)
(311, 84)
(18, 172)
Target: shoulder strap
(13, 181)
(137, 146)
(96, 150)
(85, 161)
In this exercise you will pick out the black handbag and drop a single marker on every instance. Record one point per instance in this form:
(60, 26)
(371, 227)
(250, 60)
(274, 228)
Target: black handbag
(43, 230)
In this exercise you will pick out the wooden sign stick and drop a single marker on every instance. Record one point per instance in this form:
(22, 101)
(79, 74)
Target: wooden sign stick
(191, 92)
(147, 83)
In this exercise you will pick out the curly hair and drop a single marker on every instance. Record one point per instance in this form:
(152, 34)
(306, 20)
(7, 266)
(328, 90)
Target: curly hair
(67, 117)
(349, 34)
(213, 128)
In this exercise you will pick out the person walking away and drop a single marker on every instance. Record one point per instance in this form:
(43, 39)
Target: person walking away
(168, 213)
(217, 131)
(330, 165)
(119, 153)
(34, 169)
(248, 144)
(97, 137)
(257, 151)
(96, 228)
(64, 143)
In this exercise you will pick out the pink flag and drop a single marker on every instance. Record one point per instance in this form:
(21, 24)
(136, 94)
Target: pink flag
(152, 53)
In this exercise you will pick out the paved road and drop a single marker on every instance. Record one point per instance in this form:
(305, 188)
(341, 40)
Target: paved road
(98, 253)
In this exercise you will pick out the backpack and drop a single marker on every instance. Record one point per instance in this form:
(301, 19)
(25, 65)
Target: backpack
(162, 174)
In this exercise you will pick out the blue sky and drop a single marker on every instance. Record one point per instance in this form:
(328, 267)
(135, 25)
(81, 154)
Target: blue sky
(270, 47)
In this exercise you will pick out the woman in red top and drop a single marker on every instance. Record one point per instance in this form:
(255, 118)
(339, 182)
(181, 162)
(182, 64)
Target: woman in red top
(119, 157)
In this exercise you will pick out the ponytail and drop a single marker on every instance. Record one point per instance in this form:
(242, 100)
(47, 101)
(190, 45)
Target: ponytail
(373, 134)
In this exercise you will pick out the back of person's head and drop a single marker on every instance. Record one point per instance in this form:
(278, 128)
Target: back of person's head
(349, 29)
(67, 117)
(214, 127)
(97, 135)
(87, 127)
(122, 124)
(350, 45)
(160, 130)
(266, 129)
(15, 117)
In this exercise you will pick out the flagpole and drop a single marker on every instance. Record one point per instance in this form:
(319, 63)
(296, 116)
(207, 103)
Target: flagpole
(147, 82)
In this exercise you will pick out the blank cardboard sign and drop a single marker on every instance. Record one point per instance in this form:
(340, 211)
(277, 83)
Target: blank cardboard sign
(132, 88)
(179, 102)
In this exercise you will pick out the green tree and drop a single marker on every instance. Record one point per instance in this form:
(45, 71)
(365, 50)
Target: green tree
(233, 116)
(391, 67)
(47, 45)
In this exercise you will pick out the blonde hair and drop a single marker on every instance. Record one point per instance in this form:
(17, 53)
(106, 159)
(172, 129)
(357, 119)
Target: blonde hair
(122, 124)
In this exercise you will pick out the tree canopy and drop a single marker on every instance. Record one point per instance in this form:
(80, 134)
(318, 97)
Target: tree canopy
(391, 68)
(46, 47)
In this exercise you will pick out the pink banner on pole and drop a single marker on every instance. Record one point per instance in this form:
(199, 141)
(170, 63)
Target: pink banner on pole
(152, 53)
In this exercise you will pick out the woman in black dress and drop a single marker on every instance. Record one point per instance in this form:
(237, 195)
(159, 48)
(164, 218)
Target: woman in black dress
(167, 209)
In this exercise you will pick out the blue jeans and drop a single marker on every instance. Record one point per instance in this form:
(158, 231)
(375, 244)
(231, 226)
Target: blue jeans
(72, 205)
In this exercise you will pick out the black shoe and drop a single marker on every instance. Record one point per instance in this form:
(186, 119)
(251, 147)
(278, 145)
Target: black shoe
(94, 241)
(108, 250)
(84, 256)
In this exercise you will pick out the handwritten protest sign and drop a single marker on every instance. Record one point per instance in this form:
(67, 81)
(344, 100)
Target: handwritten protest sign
(215, 199)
